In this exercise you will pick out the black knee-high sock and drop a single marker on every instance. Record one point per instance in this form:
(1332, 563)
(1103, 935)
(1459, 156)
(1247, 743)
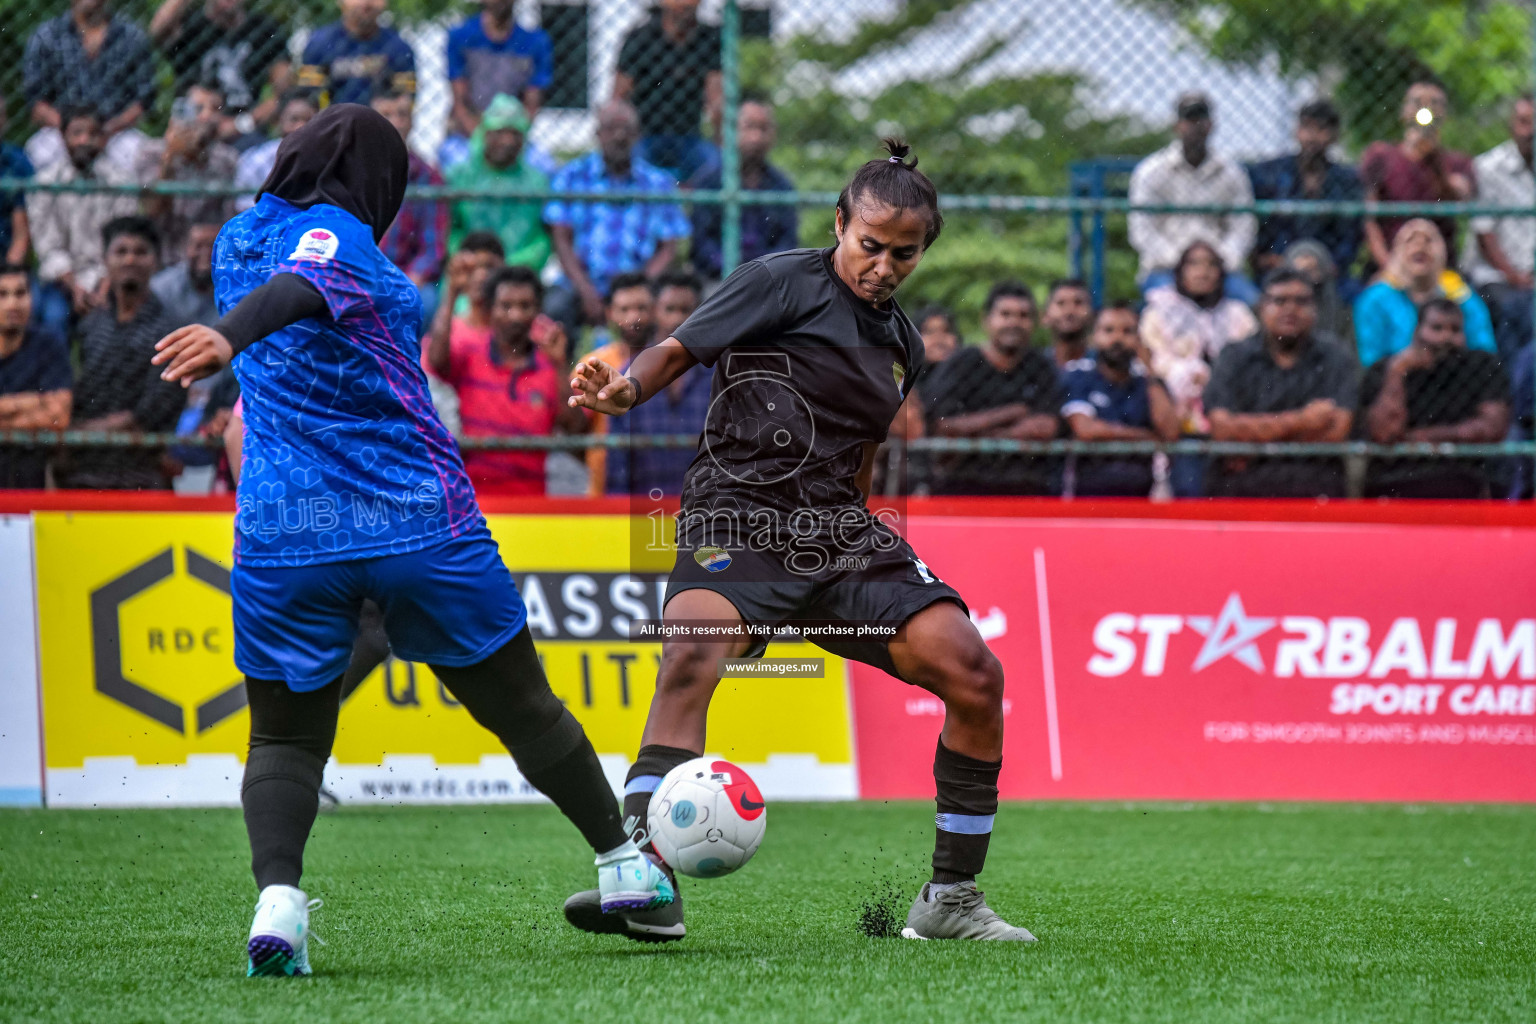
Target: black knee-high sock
(509, 695)
(967, 804)
(291, 736)
(650, 767)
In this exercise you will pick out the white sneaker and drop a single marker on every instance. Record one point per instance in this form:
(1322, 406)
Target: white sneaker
(279, 941)
(628, 880)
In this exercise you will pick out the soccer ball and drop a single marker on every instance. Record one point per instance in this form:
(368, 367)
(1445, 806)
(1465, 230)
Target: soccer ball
(707, 818)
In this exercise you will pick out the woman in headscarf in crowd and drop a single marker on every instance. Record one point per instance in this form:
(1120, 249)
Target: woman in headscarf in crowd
(497, 160)
(1387, 312)
(1311, 259)
(352, 489)
(1187, 323)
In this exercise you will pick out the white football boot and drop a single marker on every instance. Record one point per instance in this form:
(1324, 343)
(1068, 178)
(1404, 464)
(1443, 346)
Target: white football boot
(279, 941)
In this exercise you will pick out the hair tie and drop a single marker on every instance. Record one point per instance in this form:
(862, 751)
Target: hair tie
(895, 159)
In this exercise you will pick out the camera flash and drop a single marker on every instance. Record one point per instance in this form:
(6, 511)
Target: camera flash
(1425, 116)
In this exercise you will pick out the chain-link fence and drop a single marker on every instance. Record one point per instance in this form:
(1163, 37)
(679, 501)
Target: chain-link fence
(1152, 160)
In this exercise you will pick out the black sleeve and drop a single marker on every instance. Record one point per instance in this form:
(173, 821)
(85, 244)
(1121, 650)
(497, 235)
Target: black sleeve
(1371, 383)
(284, 300)
(1494, 382)
(746, 309)
(944, 390)
(1046, 395)
(1346, 379)
(1221, 390)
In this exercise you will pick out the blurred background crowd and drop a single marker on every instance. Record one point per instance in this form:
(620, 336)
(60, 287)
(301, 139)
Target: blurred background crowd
(1231, 324)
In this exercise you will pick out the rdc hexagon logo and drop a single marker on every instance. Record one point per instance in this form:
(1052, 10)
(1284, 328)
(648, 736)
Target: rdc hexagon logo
(159, 609)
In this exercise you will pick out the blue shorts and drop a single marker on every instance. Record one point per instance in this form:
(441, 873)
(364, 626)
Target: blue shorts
(454, 604)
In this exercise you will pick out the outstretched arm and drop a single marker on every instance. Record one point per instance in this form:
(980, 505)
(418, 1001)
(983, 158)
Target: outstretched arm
(195, 351)
(598, 386)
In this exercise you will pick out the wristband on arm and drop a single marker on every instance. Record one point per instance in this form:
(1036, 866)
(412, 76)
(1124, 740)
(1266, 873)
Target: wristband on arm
(638, 390)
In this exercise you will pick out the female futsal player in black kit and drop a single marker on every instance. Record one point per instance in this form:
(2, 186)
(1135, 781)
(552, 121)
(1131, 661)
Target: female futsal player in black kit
(812, 359)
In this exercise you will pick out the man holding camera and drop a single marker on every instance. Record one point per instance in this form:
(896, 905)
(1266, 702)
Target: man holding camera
(191, 153)
(1415, 170)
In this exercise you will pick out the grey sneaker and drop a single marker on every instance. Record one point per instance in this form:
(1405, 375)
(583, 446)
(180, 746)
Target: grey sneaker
(664, 924)
(958, 912)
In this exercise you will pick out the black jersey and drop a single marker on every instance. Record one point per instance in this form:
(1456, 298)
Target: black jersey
(806, 373)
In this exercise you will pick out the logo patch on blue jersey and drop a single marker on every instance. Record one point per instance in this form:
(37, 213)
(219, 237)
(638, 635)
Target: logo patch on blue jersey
(317, 245)
(713, 559)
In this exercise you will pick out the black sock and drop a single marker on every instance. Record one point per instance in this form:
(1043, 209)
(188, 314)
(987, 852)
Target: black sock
(291, 736)
(652, 764)
(564, 767)
(967, 804)
(509, 695)
(280, 795)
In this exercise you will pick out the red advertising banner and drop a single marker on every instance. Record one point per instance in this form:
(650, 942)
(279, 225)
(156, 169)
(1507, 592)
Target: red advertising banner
(1237, 660)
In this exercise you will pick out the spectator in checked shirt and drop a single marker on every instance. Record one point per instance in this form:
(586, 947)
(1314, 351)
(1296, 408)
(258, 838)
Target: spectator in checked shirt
(596, 240)
(118, 388)
(351, 59)
(417, 242)
(88, 57)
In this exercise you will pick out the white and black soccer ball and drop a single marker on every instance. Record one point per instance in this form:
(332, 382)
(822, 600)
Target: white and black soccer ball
(707, 818)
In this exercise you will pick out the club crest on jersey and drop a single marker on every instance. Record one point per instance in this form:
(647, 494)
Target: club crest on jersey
(900, 373)
(316, 244)
(713, 559)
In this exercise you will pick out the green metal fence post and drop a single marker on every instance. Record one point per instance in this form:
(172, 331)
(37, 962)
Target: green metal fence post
(730, 177)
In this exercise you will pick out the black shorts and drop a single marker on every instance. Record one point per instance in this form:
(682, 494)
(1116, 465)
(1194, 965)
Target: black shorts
(865, 574)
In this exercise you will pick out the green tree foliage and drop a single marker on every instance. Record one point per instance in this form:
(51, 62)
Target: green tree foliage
(1368, 51)
(972, 134)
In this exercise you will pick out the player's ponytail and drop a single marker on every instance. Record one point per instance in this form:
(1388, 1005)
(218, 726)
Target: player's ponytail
(896, 182)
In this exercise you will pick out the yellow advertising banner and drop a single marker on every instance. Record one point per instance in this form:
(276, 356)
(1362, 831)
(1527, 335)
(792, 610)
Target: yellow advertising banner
(142, 703)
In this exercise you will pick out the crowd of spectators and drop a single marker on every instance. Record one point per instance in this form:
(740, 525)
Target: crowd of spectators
(1280, 327)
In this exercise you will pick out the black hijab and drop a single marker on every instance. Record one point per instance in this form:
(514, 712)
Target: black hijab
(349, 156)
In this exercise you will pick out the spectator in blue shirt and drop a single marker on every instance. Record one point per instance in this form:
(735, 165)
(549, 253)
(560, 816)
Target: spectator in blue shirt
(491, 55)
(351, 58)
(596, 240)
(15, 234)
(764, 229)
(35, 380)
(680, 409)
(1110, 396)
(1387, 313)
(88, 57)
(1310, 174)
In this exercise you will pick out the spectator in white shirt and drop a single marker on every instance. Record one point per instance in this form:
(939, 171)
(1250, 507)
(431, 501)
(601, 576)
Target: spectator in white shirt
(1500, 252)
(1187, 172)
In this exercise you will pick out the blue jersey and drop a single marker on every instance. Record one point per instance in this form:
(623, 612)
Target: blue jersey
(345, 456)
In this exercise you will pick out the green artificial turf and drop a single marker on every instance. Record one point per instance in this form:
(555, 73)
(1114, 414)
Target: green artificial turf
(1145, 912)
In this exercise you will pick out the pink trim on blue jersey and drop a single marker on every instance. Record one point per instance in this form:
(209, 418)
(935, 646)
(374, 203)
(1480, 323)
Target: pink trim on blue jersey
(345, 456)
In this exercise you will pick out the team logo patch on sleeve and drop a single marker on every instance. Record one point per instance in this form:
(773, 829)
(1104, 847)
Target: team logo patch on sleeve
(899, 372)
(316, 244)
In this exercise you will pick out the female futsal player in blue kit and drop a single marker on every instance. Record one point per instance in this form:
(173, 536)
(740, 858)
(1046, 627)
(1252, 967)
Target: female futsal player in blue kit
(352, 488)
